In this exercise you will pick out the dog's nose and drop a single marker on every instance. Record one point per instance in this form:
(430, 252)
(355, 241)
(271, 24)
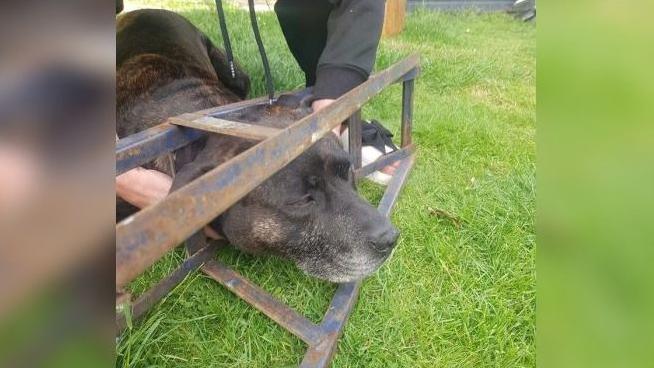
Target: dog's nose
(384, 240)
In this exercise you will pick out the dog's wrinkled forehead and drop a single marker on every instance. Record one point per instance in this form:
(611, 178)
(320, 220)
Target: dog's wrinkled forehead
(324, 162)
(326, 158)
(326, 153)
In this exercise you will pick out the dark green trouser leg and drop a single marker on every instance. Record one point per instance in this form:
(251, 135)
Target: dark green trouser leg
(304, 24)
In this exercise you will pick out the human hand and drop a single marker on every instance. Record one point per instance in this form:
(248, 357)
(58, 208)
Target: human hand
(143, 187)
(211, 233)
(318, 105)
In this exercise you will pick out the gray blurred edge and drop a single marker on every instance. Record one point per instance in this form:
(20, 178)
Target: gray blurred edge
(522, 9)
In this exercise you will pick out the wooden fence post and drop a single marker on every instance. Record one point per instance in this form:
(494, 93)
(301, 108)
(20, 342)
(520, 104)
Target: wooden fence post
(394, 18)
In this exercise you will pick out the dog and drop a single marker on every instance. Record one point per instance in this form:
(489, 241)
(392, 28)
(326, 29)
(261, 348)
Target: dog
(308, 212)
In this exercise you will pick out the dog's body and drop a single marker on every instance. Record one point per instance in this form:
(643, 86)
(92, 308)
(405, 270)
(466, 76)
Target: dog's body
(308, 212)
(166, 67)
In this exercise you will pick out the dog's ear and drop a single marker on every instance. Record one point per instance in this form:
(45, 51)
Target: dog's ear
(239, 83)
(217, 150)
(188, 173)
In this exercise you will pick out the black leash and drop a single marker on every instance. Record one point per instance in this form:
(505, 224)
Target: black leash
(270, 88)
(226, 42)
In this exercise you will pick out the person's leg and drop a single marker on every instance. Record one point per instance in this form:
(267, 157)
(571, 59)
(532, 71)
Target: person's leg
(304, 25)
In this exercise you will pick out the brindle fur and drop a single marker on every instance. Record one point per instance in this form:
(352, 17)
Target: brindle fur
(308, 212)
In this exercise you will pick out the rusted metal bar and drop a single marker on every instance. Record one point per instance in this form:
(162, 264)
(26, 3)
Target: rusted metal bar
(384, 161)
(163, 287)
(299, 325)
(227, 127)
(145, 237)
(411, 74)
(354, 138)
(198, 241)
(145, 146)
(320, 355)
(407, 111)
(395, 185)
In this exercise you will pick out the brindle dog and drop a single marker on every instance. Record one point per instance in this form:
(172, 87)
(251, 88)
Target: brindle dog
(308, 212)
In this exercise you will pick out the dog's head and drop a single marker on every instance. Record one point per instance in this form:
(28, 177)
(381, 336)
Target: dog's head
(308, 212)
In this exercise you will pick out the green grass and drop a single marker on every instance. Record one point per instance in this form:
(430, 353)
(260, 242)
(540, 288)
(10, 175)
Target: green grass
(451, 296)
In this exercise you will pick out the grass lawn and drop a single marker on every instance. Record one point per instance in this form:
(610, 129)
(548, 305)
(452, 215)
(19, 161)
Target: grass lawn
(451, 295)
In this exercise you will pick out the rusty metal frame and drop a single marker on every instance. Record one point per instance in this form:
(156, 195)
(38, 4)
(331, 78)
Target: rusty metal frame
(145, 237)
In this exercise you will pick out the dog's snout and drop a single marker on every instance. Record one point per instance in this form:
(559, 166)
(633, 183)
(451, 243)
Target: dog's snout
(384, 240)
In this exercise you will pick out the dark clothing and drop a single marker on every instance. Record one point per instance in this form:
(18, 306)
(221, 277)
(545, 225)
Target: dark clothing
(334, 41)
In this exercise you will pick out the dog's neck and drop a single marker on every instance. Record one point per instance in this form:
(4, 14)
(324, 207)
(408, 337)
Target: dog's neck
(151, 88)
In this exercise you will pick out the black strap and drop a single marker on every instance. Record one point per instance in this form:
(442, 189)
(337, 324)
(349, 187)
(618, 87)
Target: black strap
(226, 42)
(270, 88)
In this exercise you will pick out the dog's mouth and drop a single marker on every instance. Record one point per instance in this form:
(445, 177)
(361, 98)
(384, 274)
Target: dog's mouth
(343, 270)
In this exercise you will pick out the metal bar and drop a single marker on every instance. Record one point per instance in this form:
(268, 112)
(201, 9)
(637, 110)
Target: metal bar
(383, 161)
(354, 138)
(395, 185)
(227, 127)
(299, 325)
(198, 241)
(145, 237)
(407, 111)
(163, 287)
(411, 74)
(229, 108)
(143, 147)
(320, 355)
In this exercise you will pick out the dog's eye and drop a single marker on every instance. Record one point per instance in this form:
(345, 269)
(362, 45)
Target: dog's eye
(343, 169)
(313, 180)
(300, 202)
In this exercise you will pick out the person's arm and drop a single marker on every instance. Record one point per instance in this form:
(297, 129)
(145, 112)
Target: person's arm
(142, 187)
(353, 32)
